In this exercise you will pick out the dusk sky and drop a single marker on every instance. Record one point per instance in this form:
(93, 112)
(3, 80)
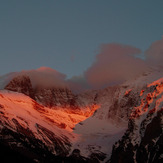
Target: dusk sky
(66, 35)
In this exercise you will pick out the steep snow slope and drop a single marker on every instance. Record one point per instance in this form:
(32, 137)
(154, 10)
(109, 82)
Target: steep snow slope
(19, 114)
(26, 125)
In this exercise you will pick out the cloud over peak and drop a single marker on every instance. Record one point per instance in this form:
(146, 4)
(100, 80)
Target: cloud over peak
(44, 77)
(114, 64)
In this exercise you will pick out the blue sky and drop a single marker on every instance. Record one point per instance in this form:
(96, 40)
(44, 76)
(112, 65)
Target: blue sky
(66, 35)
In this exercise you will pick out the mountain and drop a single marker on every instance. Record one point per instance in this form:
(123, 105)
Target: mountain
(122, 123)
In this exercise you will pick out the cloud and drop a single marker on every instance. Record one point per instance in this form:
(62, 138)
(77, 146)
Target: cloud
(154, 54)
(45, 77)
(114, 64)
(48, 77)
(78, 83)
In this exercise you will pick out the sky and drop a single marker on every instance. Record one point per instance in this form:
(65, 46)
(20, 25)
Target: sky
(69, 35)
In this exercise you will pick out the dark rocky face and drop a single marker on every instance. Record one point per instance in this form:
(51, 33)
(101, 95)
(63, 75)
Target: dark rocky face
(21, 84)
(52, 97)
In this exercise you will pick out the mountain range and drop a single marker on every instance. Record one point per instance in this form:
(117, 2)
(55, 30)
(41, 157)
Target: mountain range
(119, 124)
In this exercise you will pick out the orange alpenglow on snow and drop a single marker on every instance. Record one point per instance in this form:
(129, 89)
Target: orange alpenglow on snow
(19, 105)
